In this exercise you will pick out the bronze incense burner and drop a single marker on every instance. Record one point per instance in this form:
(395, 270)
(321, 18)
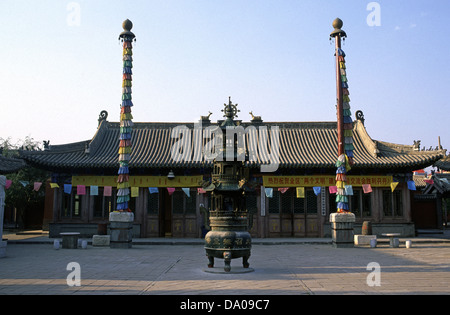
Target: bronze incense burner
(229, 237)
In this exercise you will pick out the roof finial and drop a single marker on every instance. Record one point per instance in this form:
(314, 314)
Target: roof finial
(230, 111)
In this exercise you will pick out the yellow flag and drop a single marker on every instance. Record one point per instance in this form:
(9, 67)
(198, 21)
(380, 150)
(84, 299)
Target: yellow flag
(393, 186)
(134, 191)
(54, 185)
(300, 192)
(347, 165)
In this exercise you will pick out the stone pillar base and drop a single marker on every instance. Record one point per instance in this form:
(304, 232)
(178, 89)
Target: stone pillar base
(121, 233)
(342, 230)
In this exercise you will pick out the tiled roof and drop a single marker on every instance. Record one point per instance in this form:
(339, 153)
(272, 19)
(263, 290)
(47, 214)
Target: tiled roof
(303, 145)
(444, 163)
(441, 183)
(10, 165)
(419, 181)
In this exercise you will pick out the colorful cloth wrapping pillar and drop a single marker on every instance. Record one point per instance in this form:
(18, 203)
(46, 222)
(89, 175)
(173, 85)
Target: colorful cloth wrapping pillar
(345, 161)
(348, 122)
(126, 124)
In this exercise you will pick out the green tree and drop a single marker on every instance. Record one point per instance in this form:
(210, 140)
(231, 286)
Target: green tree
(21, 195)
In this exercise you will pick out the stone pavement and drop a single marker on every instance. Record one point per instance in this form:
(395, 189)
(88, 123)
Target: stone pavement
(296, 268)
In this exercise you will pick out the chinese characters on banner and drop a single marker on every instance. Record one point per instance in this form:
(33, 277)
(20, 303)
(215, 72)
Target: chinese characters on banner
(325, 181)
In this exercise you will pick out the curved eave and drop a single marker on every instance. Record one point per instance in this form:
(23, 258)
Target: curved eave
(11, 165)
(443, 164)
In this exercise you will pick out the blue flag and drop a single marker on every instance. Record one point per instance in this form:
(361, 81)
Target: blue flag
(317, 190)
(94, 191)
(411, 185)
(68, 188)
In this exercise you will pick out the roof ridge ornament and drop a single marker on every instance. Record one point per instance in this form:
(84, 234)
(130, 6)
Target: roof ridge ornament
(360, 116)
(230, 111)
(103, 116)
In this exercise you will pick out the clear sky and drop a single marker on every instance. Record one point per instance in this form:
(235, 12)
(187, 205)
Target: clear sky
(62, 64)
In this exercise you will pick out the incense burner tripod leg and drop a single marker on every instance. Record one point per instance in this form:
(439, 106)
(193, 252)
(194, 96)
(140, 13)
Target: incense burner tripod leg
(211, 261)
(245, 263)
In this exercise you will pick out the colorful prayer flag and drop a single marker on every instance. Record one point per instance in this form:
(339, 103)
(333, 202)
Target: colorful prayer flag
(134, 191)
(317, 190)
(367, 188)
(187, 191)
(81, 190)
(107, 191)
(393, 186)
(349, 190)
(411, 185)
(68, 188)
(94, 191)
(37, 186)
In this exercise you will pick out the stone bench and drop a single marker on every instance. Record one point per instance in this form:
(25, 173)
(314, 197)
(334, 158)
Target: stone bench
(70, 239)
(101, 240)
(364, 239)
(393, 239)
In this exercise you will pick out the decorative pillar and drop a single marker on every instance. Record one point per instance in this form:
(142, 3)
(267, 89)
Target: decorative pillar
(122, 219)
(343, 220)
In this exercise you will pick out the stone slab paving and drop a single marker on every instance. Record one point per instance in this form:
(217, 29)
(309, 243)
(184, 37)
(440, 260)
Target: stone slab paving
(296, 269)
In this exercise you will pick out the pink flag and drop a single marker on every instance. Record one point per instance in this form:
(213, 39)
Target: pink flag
(81, 190)
(367, 188)
(201, 191)
(107, 191)
(283, 190)
(37, 185)
(170, 190)
(8, 183)
(333, 189)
